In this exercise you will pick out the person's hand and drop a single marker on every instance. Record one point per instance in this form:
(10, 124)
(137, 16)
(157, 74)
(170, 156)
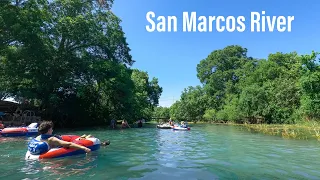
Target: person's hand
(87, 150)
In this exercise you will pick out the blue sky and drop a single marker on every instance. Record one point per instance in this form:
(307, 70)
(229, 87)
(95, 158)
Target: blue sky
(172, 57)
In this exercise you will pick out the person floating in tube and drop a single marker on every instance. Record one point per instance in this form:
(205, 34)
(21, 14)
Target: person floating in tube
(183, 124)
(105, 143)
(46, 140)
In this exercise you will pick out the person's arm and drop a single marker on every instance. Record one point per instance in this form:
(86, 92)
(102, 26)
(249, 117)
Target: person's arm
(58, 142)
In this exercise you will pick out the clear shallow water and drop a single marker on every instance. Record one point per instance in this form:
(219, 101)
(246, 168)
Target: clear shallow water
(205, 152)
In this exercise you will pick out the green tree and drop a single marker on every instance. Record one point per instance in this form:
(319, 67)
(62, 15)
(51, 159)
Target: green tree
(72, 58)
(147, 94)
(161, 112)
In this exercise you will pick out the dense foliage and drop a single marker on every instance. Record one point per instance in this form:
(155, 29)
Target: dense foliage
(236, 88)
(70, 59)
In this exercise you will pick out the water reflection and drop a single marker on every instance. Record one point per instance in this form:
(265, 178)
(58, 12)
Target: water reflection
(64, 167)
(175, 153)
(12, 139)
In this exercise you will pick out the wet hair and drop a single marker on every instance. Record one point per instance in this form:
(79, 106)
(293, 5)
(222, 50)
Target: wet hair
(107, 142)
(45, 126)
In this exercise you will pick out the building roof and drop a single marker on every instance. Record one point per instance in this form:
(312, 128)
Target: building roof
(7, 106)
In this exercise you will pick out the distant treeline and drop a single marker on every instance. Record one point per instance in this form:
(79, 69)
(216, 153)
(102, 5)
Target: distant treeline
(70, 60)
(285, 88)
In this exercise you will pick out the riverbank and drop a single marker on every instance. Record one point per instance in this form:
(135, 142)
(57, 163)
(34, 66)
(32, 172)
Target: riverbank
(306, 131)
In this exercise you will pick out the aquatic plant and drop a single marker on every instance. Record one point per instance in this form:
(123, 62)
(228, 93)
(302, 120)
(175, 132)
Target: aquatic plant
(310, 130)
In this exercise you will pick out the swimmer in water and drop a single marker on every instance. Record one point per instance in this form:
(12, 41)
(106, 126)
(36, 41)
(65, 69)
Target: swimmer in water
(106, 143)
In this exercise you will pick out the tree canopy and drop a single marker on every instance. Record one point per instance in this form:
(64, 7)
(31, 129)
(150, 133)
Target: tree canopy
(71, 60)
(284, 88)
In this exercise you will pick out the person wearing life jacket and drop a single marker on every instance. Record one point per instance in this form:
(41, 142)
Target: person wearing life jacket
(46, 140)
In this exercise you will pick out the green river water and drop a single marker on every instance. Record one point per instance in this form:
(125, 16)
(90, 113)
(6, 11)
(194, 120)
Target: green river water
(205, 152)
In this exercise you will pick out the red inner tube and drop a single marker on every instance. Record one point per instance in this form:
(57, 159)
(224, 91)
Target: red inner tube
(14, 130)
(61, 151)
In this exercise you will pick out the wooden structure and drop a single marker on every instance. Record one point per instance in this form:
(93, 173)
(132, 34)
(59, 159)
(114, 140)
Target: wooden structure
(13, 114)
(8, 107)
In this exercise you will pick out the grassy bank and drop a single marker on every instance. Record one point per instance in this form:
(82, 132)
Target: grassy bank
(308, 130)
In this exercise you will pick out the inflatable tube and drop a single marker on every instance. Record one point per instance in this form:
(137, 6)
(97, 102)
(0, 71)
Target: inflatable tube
(91, 143)
(31, 130)
(164, 126)
(181, 128)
